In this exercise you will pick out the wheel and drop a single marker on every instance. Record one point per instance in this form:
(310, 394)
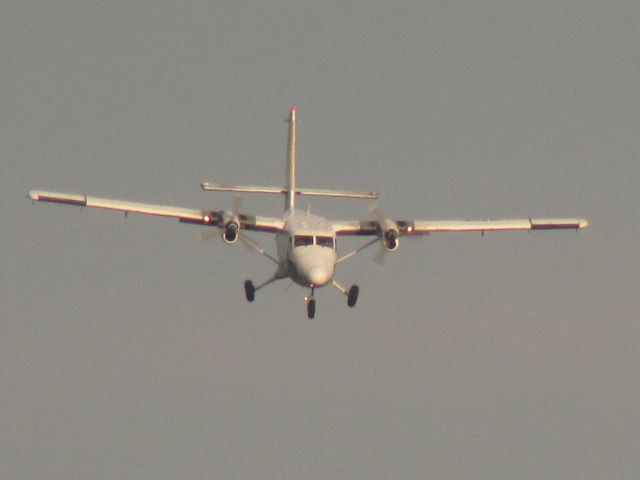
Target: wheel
(352, 296)
(311, 308)
(249, 290)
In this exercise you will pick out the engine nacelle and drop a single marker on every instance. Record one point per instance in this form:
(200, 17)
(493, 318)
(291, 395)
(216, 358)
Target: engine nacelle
(390, 235)
(230, 228)
(230, 232)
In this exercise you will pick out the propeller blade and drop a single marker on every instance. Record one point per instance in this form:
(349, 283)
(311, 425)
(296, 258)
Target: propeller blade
(376, 212)
(254, 247)
(249, 243)
(209, 235)
(380, 256)
(236, 204)
(378, 215)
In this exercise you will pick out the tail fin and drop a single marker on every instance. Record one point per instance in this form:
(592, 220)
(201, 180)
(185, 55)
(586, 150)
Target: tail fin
(290, 190)
(290, 193)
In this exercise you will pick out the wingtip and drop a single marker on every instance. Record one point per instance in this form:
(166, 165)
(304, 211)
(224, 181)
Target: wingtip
(32, 194)
(584, 223)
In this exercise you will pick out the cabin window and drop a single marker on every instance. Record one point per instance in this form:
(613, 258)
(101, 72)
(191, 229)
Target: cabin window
(302, 240)
(324, 241)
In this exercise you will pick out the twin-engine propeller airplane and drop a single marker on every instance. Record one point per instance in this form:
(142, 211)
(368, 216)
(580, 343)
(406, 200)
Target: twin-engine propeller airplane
(306, 244)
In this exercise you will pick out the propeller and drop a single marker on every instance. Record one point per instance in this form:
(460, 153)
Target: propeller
(378, 215)
(210, 234)
(236, 205)
(249, 243)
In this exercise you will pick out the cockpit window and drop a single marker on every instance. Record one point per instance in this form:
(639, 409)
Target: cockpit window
(302, 240)
(319, 240)
(324, 241)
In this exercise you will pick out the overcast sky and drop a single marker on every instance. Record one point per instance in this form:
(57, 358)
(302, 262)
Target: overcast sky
(127, 349)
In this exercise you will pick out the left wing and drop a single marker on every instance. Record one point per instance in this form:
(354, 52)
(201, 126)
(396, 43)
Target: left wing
(185, 215)
(425, 227)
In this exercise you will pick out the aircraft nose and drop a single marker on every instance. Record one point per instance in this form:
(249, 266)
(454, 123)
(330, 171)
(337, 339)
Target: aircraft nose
(319, 277)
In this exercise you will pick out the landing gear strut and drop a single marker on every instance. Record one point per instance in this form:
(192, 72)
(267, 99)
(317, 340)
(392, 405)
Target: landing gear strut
(250, 289)
(351, 294)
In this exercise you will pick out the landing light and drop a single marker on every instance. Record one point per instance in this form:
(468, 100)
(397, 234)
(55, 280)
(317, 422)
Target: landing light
(207, 219)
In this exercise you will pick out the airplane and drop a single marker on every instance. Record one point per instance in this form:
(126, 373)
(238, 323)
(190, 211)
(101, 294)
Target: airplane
(305, 243)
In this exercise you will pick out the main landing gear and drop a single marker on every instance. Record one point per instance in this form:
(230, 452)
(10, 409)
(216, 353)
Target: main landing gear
(352, 295)
(249, 290)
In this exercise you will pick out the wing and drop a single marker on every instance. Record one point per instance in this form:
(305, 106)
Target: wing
(425, 227)
(185, 215)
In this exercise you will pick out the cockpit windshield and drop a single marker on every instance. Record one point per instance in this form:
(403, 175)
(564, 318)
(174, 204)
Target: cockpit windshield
(303, 240)
(324, 241)
(319, 240)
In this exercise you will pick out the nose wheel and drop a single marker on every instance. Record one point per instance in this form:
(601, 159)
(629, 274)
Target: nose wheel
(311, 304)
(311, 307)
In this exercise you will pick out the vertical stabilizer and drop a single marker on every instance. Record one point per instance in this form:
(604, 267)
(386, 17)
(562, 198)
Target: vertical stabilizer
(290, 198)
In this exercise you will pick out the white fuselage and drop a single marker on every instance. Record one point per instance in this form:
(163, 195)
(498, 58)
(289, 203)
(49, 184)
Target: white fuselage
(307, 249)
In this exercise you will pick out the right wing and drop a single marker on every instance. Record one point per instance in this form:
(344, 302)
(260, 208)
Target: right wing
(185, 215)
(425, 227)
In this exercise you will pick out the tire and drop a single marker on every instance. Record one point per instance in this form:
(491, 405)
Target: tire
(311, 308)
(249, 290)
(352, 296)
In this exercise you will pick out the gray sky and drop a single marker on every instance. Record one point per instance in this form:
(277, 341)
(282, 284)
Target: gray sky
(127, 348)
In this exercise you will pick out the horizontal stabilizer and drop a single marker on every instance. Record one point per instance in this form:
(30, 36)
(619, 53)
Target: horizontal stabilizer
(216, 187)
(316, 192)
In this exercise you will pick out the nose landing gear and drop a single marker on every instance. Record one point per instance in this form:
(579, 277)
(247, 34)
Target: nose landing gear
(311, 308)
(311, 304)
